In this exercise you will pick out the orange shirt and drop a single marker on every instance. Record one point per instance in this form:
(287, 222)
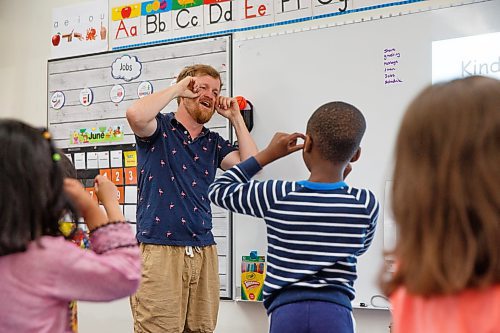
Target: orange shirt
(471, 311)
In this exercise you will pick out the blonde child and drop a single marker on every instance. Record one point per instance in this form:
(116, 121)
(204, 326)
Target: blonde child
(446, 201)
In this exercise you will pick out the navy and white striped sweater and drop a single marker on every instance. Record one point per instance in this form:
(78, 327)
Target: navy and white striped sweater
(315, 232)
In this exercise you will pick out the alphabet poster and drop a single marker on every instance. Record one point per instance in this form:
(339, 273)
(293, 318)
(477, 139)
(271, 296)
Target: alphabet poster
(104, 25)
(79, 29)
(157, 21)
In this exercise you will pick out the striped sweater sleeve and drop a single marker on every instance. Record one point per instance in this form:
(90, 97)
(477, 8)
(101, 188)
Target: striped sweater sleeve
(372, 208)
(234, 190)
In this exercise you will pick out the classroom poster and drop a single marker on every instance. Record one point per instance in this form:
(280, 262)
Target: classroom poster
(135, 23)
(108, 161)
(102, 134)
(79, 29)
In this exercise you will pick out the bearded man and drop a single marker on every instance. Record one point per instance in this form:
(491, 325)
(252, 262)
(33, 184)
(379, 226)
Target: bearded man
(177, 161)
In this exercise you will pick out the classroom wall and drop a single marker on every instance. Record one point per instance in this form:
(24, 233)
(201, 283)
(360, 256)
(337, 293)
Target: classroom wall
(24, 39)
(24, 36)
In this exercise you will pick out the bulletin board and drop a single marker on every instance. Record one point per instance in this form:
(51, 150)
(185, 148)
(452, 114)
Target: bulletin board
(87, 99)
(377, 64)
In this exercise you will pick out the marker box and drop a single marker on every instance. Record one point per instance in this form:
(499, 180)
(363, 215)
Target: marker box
(252, 277)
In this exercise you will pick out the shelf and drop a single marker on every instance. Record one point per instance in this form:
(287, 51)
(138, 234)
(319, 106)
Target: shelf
(354, 306)
(247, 301)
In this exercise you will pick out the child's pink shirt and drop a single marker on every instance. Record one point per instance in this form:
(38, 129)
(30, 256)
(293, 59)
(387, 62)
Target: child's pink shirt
(471, 311)
(37, 285)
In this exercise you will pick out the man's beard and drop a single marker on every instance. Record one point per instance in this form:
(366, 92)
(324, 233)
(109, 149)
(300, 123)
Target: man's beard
(199, 113)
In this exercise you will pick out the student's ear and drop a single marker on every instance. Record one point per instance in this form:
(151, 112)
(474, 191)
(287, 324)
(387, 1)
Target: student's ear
(308, 143)
(356, 155)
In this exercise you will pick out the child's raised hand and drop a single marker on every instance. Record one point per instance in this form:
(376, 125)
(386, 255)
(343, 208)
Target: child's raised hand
(282, 144)
(77, 194)
(108, 194)
(105, 190)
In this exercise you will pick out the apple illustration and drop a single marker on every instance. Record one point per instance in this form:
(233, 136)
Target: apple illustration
(56, 39)
(163, 5)
(126, 12)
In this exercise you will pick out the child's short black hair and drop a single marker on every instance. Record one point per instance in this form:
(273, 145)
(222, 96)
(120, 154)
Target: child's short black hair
(336, 129)
(32, 199)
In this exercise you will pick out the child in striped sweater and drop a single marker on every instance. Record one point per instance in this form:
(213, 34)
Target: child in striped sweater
(316, 228)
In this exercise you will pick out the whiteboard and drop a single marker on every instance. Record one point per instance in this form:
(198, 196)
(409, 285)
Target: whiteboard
(288, 75)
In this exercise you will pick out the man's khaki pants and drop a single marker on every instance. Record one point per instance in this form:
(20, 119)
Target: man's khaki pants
(179, 291)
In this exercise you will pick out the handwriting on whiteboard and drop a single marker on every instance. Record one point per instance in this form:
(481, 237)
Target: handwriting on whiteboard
(392, 60)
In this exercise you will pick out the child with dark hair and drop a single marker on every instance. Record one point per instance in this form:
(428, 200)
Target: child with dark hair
(316, 228)
(446, 203)
(41, 271)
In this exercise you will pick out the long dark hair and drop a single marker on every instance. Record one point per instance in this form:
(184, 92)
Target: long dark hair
(446, 194)
(32, 199)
